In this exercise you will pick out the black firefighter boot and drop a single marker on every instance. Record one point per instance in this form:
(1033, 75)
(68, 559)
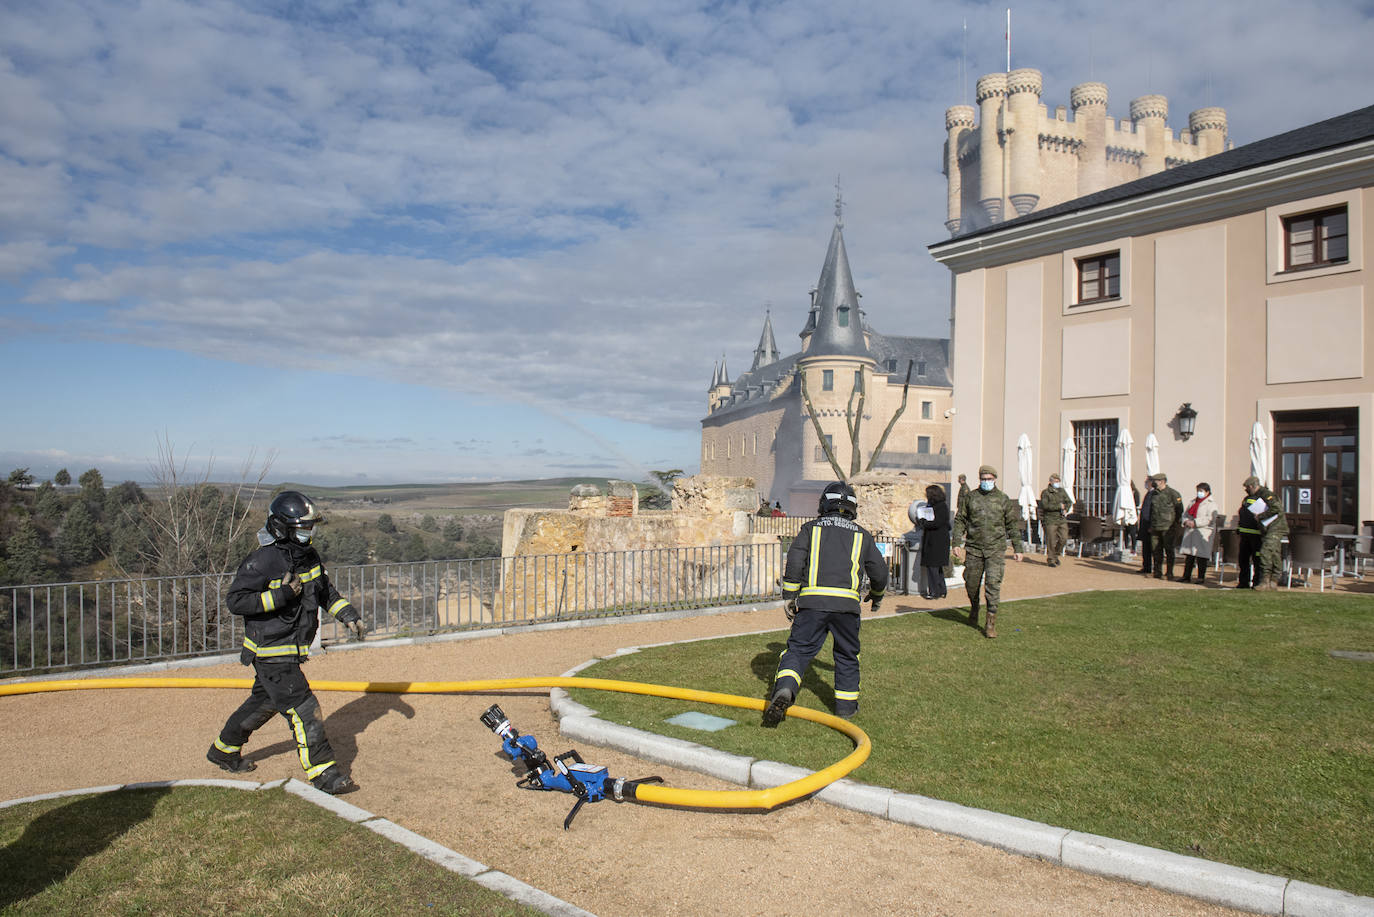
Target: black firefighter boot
(991, 630)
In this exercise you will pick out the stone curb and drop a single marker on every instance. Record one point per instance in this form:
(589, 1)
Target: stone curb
(454, 862)
(1218, 883)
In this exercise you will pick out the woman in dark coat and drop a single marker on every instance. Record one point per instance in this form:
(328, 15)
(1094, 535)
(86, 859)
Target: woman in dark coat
(935, 544)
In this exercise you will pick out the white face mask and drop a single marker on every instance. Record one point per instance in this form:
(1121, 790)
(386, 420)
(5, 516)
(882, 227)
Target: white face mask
(1202, 495)
(303, 535)
(986, 485)
(1054, 484)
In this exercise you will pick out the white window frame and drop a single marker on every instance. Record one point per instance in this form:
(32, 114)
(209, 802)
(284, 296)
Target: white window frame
(1275, 237)
(1071, 257)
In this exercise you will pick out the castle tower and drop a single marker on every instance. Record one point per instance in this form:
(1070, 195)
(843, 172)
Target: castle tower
(767, 351)
(1208, 127)
(719, 392)
(959, 120)
(1023, 104)
(991, 94)
(1148, 114)
(1089, 103)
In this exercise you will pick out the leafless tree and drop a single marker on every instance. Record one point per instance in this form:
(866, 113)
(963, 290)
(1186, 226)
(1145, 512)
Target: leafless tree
(853, 419)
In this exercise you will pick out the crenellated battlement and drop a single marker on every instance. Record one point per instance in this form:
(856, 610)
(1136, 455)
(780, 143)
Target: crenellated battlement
(1009, 155)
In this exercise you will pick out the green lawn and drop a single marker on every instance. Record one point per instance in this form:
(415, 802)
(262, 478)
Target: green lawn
(1209, 723)
(210, 850)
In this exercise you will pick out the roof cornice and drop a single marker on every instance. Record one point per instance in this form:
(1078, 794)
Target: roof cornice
(1195, 202)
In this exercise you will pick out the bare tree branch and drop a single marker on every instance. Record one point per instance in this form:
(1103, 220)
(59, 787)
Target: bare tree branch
(893, 422)
(825, 443)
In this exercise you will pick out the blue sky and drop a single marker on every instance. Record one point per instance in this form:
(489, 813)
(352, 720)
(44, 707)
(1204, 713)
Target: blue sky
(437, 241)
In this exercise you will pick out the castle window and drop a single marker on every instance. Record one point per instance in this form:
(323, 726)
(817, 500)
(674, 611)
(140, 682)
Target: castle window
(859, 379)
(892, 365)
(1099, 277)
(843, 314)
(1316, 239)
(827, 380)
(923, 445)
(927, 409)
(920, 367)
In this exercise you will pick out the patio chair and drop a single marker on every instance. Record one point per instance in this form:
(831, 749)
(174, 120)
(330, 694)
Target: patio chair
(1306, 552)
(1228, 554)
(1362, 554)
(1092, 531)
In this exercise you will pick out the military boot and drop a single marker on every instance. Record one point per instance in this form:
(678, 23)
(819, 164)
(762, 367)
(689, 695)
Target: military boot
(973, 614)
(991, 630)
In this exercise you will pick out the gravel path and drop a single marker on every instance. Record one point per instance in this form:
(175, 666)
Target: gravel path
(427, 763)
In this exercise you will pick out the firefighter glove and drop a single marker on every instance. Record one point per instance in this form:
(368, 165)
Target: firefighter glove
(358, 627)
(874, 601)
(292, 581)
(790, 609)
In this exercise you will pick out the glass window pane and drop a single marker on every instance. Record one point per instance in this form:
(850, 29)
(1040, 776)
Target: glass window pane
(1338, 440)
(1347, 463)
(1337, 249)
(1304, 466)
(1331, 464)
(1297, 441)
(1330, 500)
(1289, 464)
(1290, 499)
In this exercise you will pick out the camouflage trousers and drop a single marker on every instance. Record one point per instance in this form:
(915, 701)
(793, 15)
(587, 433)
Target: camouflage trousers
(1270, 555)
(985, 570)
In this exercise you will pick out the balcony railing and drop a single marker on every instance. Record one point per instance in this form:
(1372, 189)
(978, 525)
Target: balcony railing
(69, 626)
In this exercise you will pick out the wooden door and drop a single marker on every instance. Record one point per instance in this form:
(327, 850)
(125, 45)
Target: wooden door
(1316, 467)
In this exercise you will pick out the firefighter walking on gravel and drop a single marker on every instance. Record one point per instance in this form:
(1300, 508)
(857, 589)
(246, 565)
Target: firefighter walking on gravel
(820, 583)
(279, 590)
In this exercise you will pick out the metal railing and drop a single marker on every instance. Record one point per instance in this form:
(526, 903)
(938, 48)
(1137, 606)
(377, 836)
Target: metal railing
(68, 626)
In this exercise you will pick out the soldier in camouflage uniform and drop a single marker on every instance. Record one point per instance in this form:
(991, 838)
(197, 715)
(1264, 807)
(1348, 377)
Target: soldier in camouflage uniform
(1269, 514)
(1055, 503)
(963, 493)
(1166, 524)
(987, 519)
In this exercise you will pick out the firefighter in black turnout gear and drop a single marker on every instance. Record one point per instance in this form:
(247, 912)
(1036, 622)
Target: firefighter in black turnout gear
(279, 590)
(825, 567)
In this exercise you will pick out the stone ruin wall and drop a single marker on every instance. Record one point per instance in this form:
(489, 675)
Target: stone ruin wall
(603, 552)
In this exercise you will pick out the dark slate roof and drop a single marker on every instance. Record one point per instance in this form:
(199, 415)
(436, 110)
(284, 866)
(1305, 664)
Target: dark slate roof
(836, 296)
(1324, 135)
(934, 352)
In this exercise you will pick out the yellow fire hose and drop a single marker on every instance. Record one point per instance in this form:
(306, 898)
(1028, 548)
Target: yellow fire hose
(653, 793)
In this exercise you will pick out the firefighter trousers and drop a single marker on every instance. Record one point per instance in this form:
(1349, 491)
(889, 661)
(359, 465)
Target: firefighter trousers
(280, 687)
(809, 630)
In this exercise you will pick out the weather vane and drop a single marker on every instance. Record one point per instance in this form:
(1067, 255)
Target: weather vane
(839, 203)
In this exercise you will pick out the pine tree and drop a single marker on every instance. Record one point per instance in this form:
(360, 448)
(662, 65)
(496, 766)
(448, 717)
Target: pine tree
(78, 540)
(24, 555)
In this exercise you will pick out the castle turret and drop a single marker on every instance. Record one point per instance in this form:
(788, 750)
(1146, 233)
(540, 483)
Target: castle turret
(1023, 104)
(1208, 126)
(719, 392)
(767, 351)
(1148, 114)
(1089, 103)
(838, 327)
(959, 119)
(991, 94)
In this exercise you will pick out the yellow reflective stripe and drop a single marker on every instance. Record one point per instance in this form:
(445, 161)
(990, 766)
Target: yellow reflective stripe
(877, 593)
(227, 749)
(337, 606)
(269, 603)
(313, 573)
(298, 727)
(854, 561)
(832, 591)
(815, 559)
(846, 695)
(287, 650)
(788, 673)
(788, 584)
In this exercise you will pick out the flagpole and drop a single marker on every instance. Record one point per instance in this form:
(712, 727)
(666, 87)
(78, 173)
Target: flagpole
(1009, 39)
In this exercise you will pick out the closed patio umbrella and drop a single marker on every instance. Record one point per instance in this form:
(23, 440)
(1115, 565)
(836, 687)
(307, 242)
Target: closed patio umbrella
(1123, 507)
(1068, 465)
(1151, 455)
(1259, 453)
(1025, 464)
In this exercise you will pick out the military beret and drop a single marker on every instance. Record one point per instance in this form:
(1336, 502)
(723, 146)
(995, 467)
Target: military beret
(1054, 477)
(1251, 481)
(987, 469)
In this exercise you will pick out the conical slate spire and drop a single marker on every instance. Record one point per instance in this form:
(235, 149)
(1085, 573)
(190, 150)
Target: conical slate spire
(715, 376)
(767, 351)
(724, 373)
(839, 328)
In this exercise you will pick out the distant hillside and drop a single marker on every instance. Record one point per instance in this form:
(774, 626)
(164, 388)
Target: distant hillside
(460, 499)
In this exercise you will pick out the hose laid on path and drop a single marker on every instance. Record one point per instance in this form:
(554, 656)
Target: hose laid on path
(654, 793)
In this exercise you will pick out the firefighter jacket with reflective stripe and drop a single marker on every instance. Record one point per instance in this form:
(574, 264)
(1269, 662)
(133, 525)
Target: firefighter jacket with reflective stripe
(277, 623)
(826, 564)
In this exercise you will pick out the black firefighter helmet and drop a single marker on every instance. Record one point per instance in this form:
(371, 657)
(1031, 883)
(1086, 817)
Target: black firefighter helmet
(839, 498)
(292, 517)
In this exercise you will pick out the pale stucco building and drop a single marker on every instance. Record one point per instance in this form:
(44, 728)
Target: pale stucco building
(1011, 156)
(758, 425)
(1235, 284)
